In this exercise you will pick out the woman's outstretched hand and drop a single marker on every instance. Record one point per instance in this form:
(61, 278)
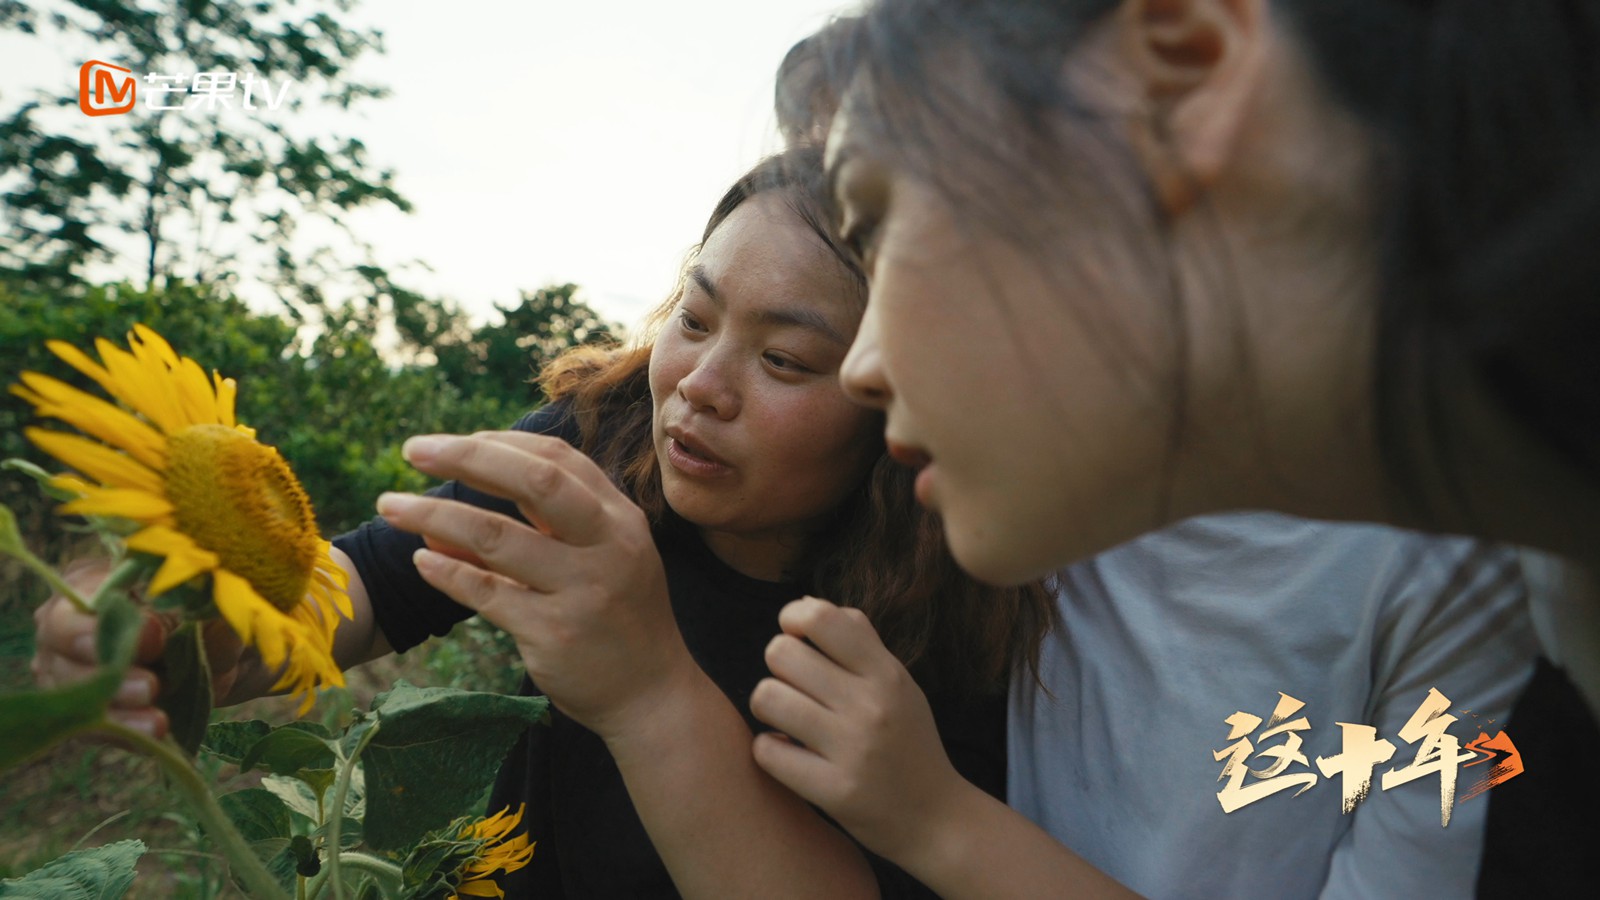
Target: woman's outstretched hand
(581, 590)
(858, 737)
(64, 652)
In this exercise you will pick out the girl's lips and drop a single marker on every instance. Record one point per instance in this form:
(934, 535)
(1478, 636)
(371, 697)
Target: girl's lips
(919, 461)
(923, 488)
(693, 463)
(908, 456)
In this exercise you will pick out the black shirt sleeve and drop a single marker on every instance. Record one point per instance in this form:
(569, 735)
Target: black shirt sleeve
(406, 608)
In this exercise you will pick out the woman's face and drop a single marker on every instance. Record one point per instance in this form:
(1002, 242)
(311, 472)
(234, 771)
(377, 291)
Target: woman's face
(1036, 445)
(755, 438)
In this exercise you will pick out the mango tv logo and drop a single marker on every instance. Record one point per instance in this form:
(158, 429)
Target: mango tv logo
(102, 91)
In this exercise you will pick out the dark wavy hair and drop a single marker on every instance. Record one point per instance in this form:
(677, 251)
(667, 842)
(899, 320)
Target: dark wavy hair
(1486, 123)
(883, 553)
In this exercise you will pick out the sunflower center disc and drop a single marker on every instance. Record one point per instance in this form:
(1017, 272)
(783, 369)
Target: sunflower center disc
(237, 498)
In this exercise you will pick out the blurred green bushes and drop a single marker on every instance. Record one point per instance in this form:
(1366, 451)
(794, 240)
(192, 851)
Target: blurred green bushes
(337, 392)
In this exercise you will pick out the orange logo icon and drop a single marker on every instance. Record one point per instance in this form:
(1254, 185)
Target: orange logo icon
(101, 92)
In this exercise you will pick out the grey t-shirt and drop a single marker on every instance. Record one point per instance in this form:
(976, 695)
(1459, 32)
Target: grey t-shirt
(1166, 637)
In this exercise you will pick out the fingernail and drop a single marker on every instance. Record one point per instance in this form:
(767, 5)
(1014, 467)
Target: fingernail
(393, 504)
(83, 646)
(134, 692)
(144, 724)
(424, 559)
(423, 448)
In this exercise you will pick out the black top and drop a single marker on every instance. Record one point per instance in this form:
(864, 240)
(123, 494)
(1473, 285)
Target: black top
(590, 842)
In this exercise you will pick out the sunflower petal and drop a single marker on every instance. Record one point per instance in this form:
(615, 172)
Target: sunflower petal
(329, 570)
(72, 484)
(194, 393)
(159, 540)
(308, 667)
(333, 579)
(125, 503)
(79, 360)
(96, 417)
(516, 853)
(481, 888)
(184, 559)
(310, 614)
(238, 604)
(28, 396)
(178, 569)
(97, 461)
(227, 396)
(145, 338)
(138, 387)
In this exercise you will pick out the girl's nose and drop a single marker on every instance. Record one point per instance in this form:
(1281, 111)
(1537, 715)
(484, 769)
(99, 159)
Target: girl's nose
(861, 374)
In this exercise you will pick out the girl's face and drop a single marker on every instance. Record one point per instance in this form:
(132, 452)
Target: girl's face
(756, 441)
(1166, 311)
(1036, 444)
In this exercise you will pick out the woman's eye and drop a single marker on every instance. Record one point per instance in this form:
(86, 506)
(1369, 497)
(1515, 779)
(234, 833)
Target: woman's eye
(690, 323)
(784, 363)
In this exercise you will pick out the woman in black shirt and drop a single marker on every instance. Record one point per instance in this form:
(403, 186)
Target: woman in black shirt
(680, 491)
(722, 443)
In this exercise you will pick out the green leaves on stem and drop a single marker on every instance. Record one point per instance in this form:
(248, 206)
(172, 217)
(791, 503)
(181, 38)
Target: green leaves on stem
(186, 687)
(416, 762)
(33, 721)
(396, 777)
(101, 873)
(457, 738)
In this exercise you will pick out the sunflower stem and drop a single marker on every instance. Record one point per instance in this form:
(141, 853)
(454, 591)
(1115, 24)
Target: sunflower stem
(341, 787)
(124, 574)
(246, 865)
(387, 873)
(48, 573)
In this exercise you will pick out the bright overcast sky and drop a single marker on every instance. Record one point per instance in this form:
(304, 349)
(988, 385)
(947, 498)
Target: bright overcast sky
(551, 141)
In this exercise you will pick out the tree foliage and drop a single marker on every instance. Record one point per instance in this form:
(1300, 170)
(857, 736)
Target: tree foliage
(197, 188)
(337, 403)
(340, 382)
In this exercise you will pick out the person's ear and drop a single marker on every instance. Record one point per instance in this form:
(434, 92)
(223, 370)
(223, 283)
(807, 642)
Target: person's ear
(1197, 65)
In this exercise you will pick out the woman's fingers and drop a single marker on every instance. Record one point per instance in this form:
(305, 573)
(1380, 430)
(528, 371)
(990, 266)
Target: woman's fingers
(844, 634)
(53, 671)
(552, 484)
(452, 551)
(795, 767)
(64, 643)
(62, 633)
(802, 667)
(498, 599)
(148, 720)
(569, 458)
(65, 653)
(785, 708)
(476, 536)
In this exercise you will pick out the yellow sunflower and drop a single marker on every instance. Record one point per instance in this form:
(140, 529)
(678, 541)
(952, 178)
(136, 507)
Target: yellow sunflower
(206, 496)
(495, 853)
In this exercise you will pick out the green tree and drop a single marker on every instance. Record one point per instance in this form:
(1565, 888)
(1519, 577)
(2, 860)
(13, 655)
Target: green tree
(192, 186)
(335, 404)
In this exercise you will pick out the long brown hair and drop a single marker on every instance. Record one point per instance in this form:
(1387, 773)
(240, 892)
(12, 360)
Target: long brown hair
(884, 554)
